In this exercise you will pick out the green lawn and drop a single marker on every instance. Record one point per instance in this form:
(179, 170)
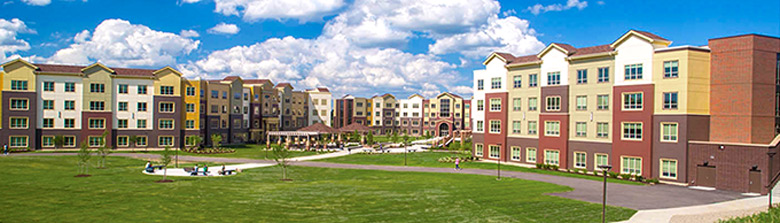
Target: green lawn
(387, 138)
(43, 189)
(242, 151)
(430, 159)
(772, 215)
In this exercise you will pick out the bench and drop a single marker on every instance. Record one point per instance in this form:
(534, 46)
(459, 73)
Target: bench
(226, 172)
(193, 172)
(151, 168)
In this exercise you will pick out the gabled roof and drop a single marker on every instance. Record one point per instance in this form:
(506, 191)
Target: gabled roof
(256, 81)
(134, 72)
(506, 57)
(55, 68)
(319, 128)
(72, 69)
(22, 61)
(98, 64)
(565, 48)
(448, 93)
(415, 95)
(231, 78)
(593, 50)
(323, 89)
(524, 60)
(650, 37)
(284, 85)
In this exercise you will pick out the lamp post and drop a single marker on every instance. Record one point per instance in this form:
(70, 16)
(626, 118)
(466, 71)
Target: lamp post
(769, 175)
(605, 168)
(498, 174)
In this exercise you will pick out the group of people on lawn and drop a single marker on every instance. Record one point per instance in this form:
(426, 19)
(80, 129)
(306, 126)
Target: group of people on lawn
(193, 172)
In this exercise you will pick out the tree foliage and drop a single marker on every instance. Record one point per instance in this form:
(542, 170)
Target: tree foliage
(281, 154)
(84, 156)
(165, 159)
(216, 140)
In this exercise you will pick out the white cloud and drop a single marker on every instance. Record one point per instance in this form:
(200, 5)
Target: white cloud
(189, 33)
(539, 8)
(37, 2)
(225, 29)
(510, 34)
(254, 10)
(462, 90)
(117, 42)
(9, 30)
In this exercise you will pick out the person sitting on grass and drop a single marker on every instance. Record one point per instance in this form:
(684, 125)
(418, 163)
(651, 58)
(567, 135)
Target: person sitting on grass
(148, 167)
(205, 169)
(194, 170)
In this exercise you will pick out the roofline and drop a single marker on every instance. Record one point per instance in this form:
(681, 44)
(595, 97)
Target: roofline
(523, 64)
(685, 47)
(634, 32)
(100, 65)
(748, 34)
(592, 55)
(20, 60)
(491, 56)
(550, 46)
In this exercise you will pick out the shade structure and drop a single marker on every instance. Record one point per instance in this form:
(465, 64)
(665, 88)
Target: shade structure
(319, 128)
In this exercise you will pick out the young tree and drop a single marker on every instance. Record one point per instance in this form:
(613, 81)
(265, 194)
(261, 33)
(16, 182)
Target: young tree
(196, 141)
(394, 137)
(356, 136)
(216, 139)
(281, 154)
(370, 138)
(132, 140)
(165, 160)
(84, 156)
(103, 151)
(59, 141)
(406, 139)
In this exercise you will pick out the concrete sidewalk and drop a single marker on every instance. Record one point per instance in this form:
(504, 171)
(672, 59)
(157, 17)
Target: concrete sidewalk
(704, 213)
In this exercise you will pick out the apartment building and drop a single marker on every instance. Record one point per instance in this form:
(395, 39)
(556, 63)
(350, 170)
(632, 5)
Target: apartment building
(320, 103)
(637, 104)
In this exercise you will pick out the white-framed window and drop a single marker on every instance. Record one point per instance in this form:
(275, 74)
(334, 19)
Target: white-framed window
(121, 123)
(141, 124)
(166, 107)
(517, 81)
(582, 76)
(95, 141)
(48, 123)
(495, 104)
(19, 85)
(18, 141)
(122, 89)
(141, 89)
(532, 127)
(166, 124)
(530, 155)
(554, 78)
(69, 105)
(190, 108)
(602, 102)
(97, 88)
(495, 126)
(19, 104)
(69, 141)
(516, 127)
(478, 149)
(69, 123)
(141, 141)
(495, 83)
(122, 141)
(601, 160)
(632, 131)
(552, 128)
(48, 104)
(603, 74)
(70, 87)
(97, 123)
(581, 129)
(580, 160)
(582, 103)
(668, 169)
(553, 103)
(632, 101)
(631, 165)
(532, 104)
(515, 153)
(602, 130)
(551, 157)
(18, 122)
(668, 132)
(166, 141)
(47, 141)
(48, 86)
(670, 69)
(97, 105)
(122, 106)
(494, 151)
(533, 80)
(517, 104)
(141, 106)
(480, 105)
(633, 71)
(166, 90)
(191, 91)
(670, 100)
(480, 86)
(189, 124)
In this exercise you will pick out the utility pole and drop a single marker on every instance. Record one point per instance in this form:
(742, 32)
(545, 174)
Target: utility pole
(605, 168)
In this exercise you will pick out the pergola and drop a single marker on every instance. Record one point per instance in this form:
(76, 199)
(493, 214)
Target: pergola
(304, 134)
(355, 127)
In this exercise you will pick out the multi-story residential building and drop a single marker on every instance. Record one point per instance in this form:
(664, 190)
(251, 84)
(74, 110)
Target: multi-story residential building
(444, 114)
(385, 114)
(320, 106)
(411, 115)
(637, 104)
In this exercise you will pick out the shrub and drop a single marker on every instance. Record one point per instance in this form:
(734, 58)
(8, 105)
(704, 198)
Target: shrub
(612, 174)
(625, 176)
(652, 181)
(539, 166)
(582, 171)
(554, 167)
(639, 178)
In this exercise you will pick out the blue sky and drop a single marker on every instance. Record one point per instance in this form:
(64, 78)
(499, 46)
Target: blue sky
(362, 47)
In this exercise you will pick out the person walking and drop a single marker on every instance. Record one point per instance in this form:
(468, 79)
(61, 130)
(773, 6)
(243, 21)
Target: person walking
(5, 149)
(457, 164)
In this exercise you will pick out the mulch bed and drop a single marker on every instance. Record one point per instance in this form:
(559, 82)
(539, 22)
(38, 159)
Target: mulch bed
(164, 181)
(83, 175)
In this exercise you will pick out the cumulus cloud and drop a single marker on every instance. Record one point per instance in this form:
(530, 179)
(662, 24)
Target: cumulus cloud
(254, 10)
(117, 42)
(461, 90)
(224, 29)
(37, 2)
(539, 8)
(9, 43)
(510, 34)
(189, 33)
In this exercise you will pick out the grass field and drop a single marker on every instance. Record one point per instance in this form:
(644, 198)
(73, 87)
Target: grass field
(43, 189)
(242, 151)
(772, 215)
(430, 159)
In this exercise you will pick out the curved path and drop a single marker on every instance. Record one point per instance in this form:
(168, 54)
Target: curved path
(640, 197)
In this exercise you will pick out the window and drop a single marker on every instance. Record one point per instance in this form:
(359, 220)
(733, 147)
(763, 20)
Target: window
(18, 122)
(480, 86)
(48, 86)
(495, 83)
(531, 127)
(631, 165)
(70, 87)
(95, 141)
(670, 69)
(553, 103)
(69, 141)
(516, 127)
(518, 81)
(18, 85)
(580, 160)
(97, 105)
(582, 76)
(189, 124)
(495, 126)
(141, 106)
(515, 153)
(601, 160)
(122, 106)
(602, 102)
(166, 90)
(122, 89)
(582, 103)
(478, 149)
(166, 107)
(141, 89)
(494, 152)
(603, 74)
(214, 94)
(602, 130)
(495, 104)
(632, 131)
(121, 123)
(480, 105)
(480, 125)
(632, 101)
(668, 169)
(552, 128)
(530, 155)
(48, 104)
(69, 123)
(19, 104)
(668, 132)
(18, 141)
(141, 124)
(581, 129)
(166, 124)
(69, 105)
(97, 88)
(190, 91)
(551, 157)
(633, 71)
(533, 80)
(141, 141)
(517, 104)
(670, 100)
(554, 78)
(47, 141)
(48, 123)
(191, 107)
(532, 104)
(97, 123)
(122, 141)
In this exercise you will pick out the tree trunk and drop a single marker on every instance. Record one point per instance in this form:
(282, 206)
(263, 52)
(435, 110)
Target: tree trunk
(165, 173)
